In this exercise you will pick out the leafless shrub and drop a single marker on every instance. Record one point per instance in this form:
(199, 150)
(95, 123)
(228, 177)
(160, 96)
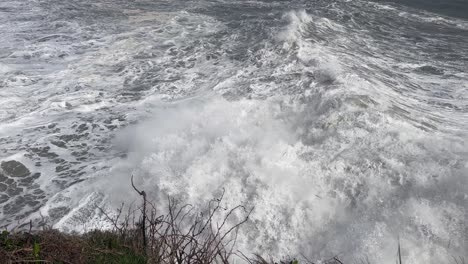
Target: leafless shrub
(181, 235)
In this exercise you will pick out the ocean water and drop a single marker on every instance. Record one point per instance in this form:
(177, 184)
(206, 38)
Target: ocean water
(344, 124)
(453, 8)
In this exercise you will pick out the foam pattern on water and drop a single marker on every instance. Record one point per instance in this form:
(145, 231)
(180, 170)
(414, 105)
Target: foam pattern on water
(346, 136)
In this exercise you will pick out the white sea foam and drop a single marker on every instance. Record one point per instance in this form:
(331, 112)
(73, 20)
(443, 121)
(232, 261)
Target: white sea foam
(338, 152)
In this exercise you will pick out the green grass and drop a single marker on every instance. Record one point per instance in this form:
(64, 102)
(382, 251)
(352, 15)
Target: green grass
(51, 246)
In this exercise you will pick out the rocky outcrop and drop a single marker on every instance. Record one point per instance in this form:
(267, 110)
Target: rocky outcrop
(14, 168)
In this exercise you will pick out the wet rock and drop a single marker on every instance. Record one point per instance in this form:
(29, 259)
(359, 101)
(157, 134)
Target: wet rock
(14, 168)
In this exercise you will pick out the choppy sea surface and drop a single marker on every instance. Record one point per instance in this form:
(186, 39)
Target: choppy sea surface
(344, 124)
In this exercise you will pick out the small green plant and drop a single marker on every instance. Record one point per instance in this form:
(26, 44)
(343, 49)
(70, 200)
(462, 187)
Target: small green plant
(36, 250)
(3, 237)
(5, 240)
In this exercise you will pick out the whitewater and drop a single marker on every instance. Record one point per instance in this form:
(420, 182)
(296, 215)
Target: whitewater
(344, 124)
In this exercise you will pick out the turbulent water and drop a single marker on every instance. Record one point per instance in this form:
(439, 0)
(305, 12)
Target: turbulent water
(344, 124)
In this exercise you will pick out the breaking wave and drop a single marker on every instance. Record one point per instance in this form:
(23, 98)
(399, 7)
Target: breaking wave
(344, 141)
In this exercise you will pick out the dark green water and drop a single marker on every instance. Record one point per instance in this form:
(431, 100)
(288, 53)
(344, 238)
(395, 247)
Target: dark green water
(454, 8)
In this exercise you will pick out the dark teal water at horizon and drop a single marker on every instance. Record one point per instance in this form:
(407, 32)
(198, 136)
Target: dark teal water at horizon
(453, 8)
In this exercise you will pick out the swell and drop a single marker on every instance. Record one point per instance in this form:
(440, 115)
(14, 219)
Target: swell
(322, 149)
(338, 131)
